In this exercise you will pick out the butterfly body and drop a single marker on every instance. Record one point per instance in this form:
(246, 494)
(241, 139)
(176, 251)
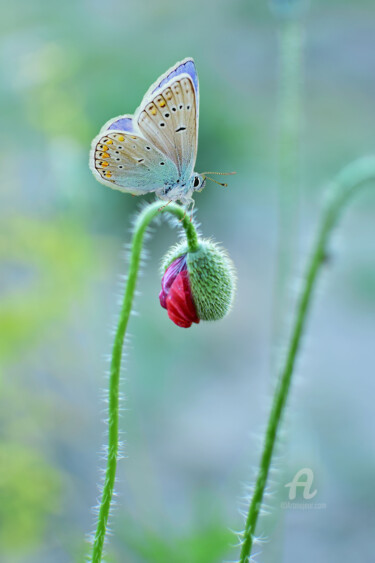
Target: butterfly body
(155, 149)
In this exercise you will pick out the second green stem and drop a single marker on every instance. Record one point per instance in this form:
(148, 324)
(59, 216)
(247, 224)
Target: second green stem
(341, 189)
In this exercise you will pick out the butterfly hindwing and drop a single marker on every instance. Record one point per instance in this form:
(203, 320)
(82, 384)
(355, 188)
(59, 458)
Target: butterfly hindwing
(130, 163)
(120, 123)
(168, 119)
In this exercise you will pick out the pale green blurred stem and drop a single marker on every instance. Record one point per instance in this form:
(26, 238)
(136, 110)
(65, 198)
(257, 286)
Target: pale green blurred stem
(291, 41)
(341, 189)
(144, 219)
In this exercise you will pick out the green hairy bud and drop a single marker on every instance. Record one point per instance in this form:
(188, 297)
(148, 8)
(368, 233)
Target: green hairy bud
(211, 275)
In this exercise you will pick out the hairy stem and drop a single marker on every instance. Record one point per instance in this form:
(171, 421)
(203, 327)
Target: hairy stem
(341, 189)
(144, 218)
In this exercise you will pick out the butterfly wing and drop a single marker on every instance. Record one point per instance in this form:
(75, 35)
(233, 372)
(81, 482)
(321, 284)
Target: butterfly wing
(187, 66)
(129, 163)
(120, 123)
(168, 117)
(133, 154)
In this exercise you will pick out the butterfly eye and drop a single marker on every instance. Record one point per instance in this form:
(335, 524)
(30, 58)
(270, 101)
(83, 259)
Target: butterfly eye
(196, 182)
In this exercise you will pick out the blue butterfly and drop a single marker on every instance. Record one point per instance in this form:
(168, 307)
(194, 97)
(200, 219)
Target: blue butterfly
(155, 149)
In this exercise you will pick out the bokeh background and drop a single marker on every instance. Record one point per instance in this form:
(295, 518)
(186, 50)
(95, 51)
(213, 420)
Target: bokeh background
(196, 401)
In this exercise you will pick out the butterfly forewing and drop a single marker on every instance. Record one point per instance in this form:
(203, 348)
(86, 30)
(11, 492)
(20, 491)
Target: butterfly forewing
(131, 163)
(187, 66)
(169, 121)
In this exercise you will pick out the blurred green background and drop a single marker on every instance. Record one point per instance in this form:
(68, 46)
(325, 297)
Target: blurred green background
(196, 400)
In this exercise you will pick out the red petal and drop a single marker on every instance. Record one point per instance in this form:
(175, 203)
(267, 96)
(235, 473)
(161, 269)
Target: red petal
(180, 305)
(170, 275)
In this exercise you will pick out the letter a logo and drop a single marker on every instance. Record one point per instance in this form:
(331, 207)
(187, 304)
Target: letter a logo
(306, 484)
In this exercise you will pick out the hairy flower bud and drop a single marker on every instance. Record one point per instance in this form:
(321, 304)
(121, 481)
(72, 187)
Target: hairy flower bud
(197, 285)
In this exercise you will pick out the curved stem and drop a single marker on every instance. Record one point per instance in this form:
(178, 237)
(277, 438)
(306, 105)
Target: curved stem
(144, 218)
(341, 189)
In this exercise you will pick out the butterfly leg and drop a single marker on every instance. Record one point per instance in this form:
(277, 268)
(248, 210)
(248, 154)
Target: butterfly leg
(180, 220)
(192, 205)
(189, 203)
(165, 205)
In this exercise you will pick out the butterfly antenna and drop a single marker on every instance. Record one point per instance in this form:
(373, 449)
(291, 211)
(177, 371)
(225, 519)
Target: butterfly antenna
(216, 182)
(220, 173)
(204, 174)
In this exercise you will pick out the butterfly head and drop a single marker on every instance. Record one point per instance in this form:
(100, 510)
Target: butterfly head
(198, 182)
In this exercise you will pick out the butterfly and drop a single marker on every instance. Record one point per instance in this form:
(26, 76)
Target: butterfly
(155, 149)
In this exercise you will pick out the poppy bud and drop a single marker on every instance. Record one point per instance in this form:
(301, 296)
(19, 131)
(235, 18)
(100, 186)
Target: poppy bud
(197, 285)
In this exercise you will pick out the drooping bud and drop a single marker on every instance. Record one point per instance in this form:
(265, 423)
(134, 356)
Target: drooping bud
(197, 285)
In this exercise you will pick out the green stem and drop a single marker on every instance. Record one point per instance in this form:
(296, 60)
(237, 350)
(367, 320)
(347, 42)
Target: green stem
(341, 189)
(144, 218)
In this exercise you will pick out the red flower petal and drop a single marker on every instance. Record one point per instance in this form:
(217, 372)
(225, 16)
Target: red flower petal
(170, 275)
(179, 302)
